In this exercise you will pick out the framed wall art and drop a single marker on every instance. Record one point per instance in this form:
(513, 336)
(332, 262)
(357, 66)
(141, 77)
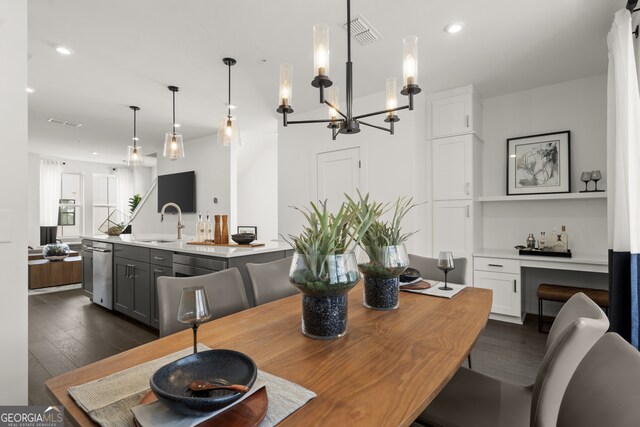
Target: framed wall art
(539, 164)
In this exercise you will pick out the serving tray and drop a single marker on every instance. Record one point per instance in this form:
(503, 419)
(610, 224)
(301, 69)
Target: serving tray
(248, 413)
(537, 252)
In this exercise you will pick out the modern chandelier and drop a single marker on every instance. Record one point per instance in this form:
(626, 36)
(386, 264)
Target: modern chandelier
(346, 122)
(229, 131)
(173, 146)
(134, 152)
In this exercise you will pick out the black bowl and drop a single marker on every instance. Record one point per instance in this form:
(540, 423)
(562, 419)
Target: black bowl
(409, 275)
(243, 238)
(170, 383)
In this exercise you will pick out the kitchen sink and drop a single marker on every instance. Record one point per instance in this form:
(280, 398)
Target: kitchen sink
(156, 241)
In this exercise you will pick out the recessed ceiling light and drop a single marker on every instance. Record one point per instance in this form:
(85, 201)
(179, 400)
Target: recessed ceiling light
(30, 90)
(95, 153)
(454, 27)
(64, 50)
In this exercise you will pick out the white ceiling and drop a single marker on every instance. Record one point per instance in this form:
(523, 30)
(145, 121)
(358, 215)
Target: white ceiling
(126, 53)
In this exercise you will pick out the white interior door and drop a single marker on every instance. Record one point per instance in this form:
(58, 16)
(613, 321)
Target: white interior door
(338, 172)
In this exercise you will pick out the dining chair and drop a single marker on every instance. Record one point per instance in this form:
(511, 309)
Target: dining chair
(474, 399)
(605, 388)
(225, 290)
(270, 280)
(428, 268)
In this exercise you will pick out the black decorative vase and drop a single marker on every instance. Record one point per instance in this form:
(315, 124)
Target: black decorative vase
(324, 317)
(381, 293)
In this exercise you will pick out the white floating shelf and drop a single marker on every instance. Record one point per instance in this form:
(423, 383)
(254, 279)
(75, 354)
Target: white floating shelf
(563, 196)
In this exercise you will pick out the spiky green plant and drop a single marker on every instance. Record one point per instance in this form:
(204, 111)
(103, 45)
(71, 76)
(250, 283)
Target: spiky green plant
(326, 234)
(380, 234)
(134, 201)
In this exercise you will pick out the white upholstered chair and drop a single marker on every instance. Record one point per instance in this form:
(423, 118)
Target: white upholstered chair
(474, 399)
(225, 291)
(270, 280)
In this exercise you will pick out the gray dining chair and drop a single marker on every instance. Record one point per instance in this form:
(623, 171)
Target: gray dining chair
(225, 291)
(270, 280)
(605, 388)
(428, 268)
(474, 399)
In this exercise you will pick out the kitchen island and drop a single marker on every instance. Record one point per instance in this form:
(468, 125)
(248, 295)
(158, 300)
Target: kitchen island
(136, 261)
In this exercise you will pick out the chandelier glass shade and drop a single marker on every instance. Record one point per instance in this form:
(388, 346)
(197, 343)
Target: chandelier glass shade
(229, 130)
(134, 152)
(173, 145)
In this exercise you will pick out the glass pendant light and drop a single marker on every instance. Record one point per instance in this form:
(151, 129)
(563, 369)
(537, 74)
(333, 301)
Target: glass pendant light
(229, 130)
(134, 152)
(173, 146)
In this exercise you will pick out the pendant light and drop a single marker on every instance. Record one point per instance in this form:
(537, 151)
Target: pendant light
(173, 146)
(229, 131)
(134, 152)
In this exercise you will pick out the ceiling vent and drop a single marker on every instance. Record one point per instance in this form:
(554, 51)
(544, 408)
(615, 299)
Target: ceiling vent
(64, 122)
(362, 31)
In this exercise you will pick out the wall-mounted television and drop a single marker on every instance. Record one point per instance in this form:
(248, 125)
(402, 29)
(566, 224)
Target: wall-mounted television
(179, 188)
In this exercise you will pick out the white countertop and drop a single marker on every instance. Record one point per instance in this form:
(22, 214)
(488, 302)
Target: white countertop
(169, 242)
(513, 254)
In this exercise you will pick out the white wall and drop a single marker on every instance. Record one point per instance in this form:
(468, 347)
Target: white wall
(14, 190)
(393, 165)
(211, 162)
(142, 180)
(258, 187)
(578, 106)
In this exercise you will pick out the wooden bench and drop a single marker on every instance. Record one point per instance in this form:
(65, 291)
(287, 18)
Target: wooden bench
(561, 293)
(43, 273)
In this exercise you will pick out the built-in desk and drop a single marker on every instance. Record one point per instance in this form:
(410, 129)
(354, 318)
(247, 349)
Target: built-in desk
(501, 271)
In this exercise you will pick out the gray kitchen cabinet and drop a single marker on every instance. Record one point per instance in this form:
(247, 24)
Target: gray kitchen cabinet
(87, 273)
(157, 271)
(132, 294)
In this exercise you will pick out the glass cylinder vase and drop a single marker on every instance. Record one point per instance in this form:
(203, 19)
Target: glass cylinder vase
(324, 281)
(381, 276)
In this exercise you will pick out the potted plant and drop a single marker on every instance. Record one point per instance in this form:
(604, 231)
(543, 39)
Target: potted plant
(383, 242)
(134, 201)
(324, 266)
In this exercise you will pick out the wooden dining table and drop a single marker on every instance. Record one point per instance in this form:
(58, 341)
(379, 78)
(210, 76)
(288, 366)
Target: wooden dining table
(385, 371)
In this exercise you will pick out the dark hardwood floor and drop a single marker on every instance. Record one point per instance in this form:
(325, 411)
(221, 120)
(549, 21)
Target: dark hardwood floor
(67, 331)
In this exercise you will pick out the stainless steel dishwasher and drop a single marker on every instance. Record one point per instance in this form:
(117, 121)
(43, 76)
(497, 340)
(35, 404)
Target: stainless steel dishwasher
(102, 273)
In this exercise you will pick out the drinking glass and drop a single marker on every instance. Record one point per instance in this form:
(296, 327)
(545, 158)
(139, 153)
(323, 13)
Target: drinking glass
(596, 176)
(194, 309)
(585, 177)
(445, 263)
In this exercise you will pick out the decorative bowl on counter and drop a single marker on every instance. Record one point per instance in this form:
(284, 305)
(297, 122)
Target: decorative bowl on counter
(55, 251)
(243, 238)
(170, 383)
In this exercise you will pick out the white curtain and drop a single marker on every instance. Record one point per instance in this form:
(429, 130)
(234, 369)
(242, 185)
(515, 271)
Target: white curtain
(124, 189)
(623, 169)
(50, 189)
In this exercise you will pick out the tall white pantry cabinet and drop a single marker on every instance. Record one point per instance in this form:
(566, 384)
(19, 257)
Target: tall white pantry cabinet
(454, 131)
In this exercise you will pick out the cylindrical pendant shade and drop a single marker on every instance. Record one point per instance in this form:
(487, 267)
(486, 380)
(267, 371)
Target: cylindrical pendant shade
(410, 60)
(194, 306)
(333, 99)
(134, 156)
(173, 146)
(321, 50)
(286, 84)
(229, 131)
(392, 93)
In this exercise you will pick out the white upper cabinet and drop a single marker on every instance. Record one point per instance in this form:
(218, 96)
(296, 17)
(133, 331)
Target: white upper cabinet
(453, 168)
(454, 112)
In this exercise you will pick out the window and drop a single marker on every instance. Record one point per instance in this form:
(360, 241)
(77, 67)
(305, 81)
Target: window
(69, 217)
(104, 199)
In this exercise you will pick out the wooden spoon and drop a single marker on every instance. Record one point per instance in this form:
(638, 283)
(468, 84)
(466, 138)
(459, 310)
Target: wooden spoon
(202, 385)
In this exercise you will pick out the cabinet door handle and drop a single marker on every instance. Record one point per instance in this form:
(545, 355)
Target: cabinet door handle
(467, 118)
(467, 188)
(126, 271)
(159, 270)
(468, 212)
(159, 258)
(133, 272)
(496, 265)
(514, 286)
